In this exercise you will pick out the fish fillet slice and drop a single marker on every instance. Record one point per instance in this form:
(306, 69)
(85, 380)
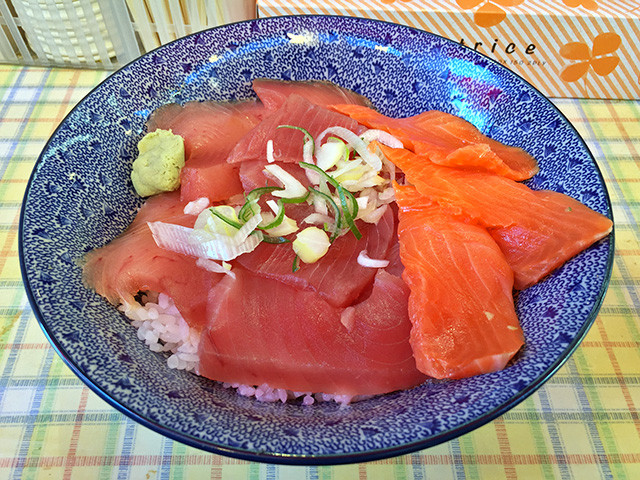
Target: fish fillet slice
(461, 305)
(274, 93)
(291, 338)
(448, 140)
(537, 231)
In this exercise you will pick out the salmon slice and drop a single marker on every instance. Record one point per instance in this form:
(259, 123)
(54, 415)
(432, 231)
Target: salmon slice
(461, 305)
(274, 93)
(538, 231)
(210, 131)
(448, 140)
(287, 142)
(133, 262)
(337, 277)
(299, 342)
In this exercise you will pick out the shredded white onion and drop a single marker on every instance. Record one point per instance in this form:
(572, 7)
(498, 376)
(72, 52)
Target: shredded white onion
(365, 261)
(355, 142)
(307, 152)
(348, 318)
(273, 205)
(182, 240)
(375, 215)
(387, 195)
(214, 267)
(317, 219)
(362, 202)
(383, 137)
(249, 226)
(270, 157)
(292, 187)
(196, 207)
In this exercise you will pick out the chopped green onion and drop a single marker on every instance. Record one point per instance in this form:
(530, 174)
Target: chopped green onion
(338, 223)
(268, 239)
(226, 219)
(279, 218)
(307, 135)
(301, 199)
(349, 213)
(295, 266)
(251, 199)
(322, 173)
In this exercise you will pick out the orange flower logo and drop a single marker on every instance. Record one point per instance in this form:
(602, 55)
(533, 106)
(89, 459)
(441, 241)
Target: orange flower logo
(599, 57)
(490, 12)
(588, 4)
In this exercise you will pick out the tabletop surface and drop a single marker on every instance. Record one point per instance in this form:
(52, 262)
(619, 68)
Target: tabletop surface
(583, 423)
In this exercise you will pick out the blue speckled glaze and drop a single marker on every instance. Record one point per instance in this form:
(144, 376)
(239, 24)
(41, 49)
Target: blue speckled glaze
(79, 198)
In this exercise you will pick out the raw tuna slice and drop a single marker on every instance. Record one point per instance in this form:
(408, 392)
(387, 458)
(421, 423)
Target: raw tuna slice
(538, 231)
(210, 131)
(337, 276)
(288, 143)
(274, 93)
(448, 140)
(461, 304)
(301, 343)
(133, 262)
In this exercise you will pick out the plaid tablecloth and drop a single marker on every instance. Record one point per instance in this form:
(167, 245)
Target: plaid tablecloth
(581, 424)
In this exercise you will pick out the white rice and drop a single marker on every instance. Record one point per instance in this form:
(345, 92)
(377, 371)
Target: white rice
(163, 329)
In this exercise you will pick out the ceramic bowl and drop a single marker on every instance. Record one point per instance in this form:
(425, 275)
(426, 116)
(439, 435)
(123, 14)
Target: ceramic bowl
(79, 197)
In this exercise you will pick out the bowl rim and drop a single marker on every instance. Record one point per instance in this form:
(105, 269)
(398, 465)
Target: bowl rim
(324, 459)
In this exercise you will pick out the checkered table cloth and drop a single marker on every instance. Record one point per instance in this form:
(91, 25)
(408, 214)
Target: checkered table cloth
(583, 423)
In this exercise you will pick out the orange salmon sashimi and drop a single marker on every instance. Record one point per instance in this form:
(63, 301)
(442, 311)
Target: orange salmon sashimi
(538, 231)
(461, 303)
(448, 140)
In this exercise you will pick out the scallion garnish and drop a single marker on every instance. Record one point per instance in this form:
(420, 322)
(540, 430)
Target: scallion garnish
(349, 213)
(268, 239)
(336, 211)
(225, 219)
(301, 199)
(307, 136)
(251, 199)
(295, 266)
(279, 217)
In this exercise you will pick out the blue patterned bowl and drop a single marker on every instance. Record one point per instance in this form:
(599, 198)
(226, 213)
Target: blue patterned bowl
(79, 197)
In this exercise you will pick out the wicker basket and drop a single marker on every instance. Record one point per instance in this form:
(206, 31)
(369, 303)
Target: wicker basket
(104, 33)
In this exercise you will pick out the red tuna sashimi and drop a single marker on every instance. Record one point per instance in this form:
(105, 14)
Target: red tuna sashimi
(299, 342)
(448, 140)
(133, 262)
(538, 231)
(210, 131)
(287, 142)
(461, 304)
(273, 93)
(337, 276)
